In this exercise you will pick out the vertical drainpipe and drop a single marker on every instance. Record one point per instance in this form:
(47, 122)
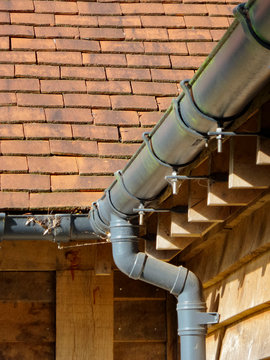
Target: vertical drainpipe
(192, 318)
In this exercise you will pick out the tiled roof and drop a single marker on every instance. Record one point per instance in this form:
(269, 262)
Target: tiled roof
(81, 80)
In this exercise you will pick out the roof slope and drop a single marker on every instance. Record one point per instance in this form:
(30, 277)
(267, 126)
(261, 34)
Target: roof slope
(81, 80)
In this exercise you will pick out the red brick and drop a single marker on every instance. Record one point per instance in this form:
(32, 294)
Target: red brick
(43, 100)
(16, 30)
(150, 34)
(69, 115)
(88, 166)
(32, 44)
(56, 7)
(189, 34)
(117, 150)
(4, 18)
(95, 8)
(18, 114)
(104, 59)
(184, 9)
(4, 43)
(19, 85)
(187, 62)
(119, 21)
(16, 5)
(32, 19)
(37, 71)
(18, 57)
(142, 9)
(22, 182)
(217, 34)
(168, 75)
(7, 99)
(108, 87)
(25, 147)
(63, 200)
(13, 164)
(122, 47)
(149, 118)
(68, 147)
(52, 164)
(76, 182)
(132, 134)
(56, 32)
(62, 86)
(179, 48)
(133, 102)
(164, 103)
(220, 10)
(102, 34)
(14, 131)
(14, 200)
(85, 100)
(64, 58)
(157, 89)
(152, 61)
(200, 48)
(6, 70)
(128, 74)
(121, 118)
(91, 132)
(88, 73)
(206, 22)
(77, 45)
(76, 20)
(47, 131)
(163, 21)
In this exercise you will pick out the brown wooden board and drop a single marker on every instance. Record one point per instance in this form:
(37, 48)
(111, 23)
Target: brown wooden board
(31, 351)
(140, 320)
(263, 143)
(139, 351)
(103, 259)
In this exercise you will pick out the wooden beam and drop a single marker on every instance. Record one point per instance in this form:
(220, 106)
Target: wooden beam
(180, 227)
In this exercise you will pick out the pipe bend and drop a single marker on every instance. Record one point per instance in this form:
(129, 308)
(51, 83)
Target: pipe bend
(192, 290)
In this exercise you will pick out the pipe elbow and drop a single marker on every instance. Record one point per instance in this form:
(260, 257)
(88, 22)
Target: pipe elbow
(192, 289)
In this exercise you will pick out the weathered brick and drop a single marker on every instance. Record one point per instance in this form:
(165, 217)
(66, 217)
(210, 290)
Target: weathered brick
(187, 62)
(18, 57)
(122, 47)
(76, 20)
(76, 182)
(217, 34)
(152, 34)
(200, 48)
(121, 118)
(220, 10)
(206, 22)
(128, 74)
(43, 100)
(119, 21)
(4, 43)
(88, 166)
(184, 9)
(19, 85)
(62, 86)
(62, 58)
(47, 131)
(37, 71)
(14, 200)
(16, 30)
(164, 103)
(16, 5)
(149, 118)
(117, 150)
(69, 115)
(104, 59)
(108, 87)
(189, 34)
(32, 19)
(13, 164)
(25, 147)
(18, 114)
(179, 48)
(152, 61)
(32, 44)
(157, 89)
(7, 99)
(91, 132)
(142, 9)
(102, 34)
(163, 21)
(69, 147)
(95, 8)
(4, 18)
(52, 164)
(56, 32)
(77, 45)
(133, 102)
(63, 200)
(168, 75)
(88, 73)
(6, 70)
(56, 7)
(132, 134)
(14, 131)
(85, 100)
(24, 182)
